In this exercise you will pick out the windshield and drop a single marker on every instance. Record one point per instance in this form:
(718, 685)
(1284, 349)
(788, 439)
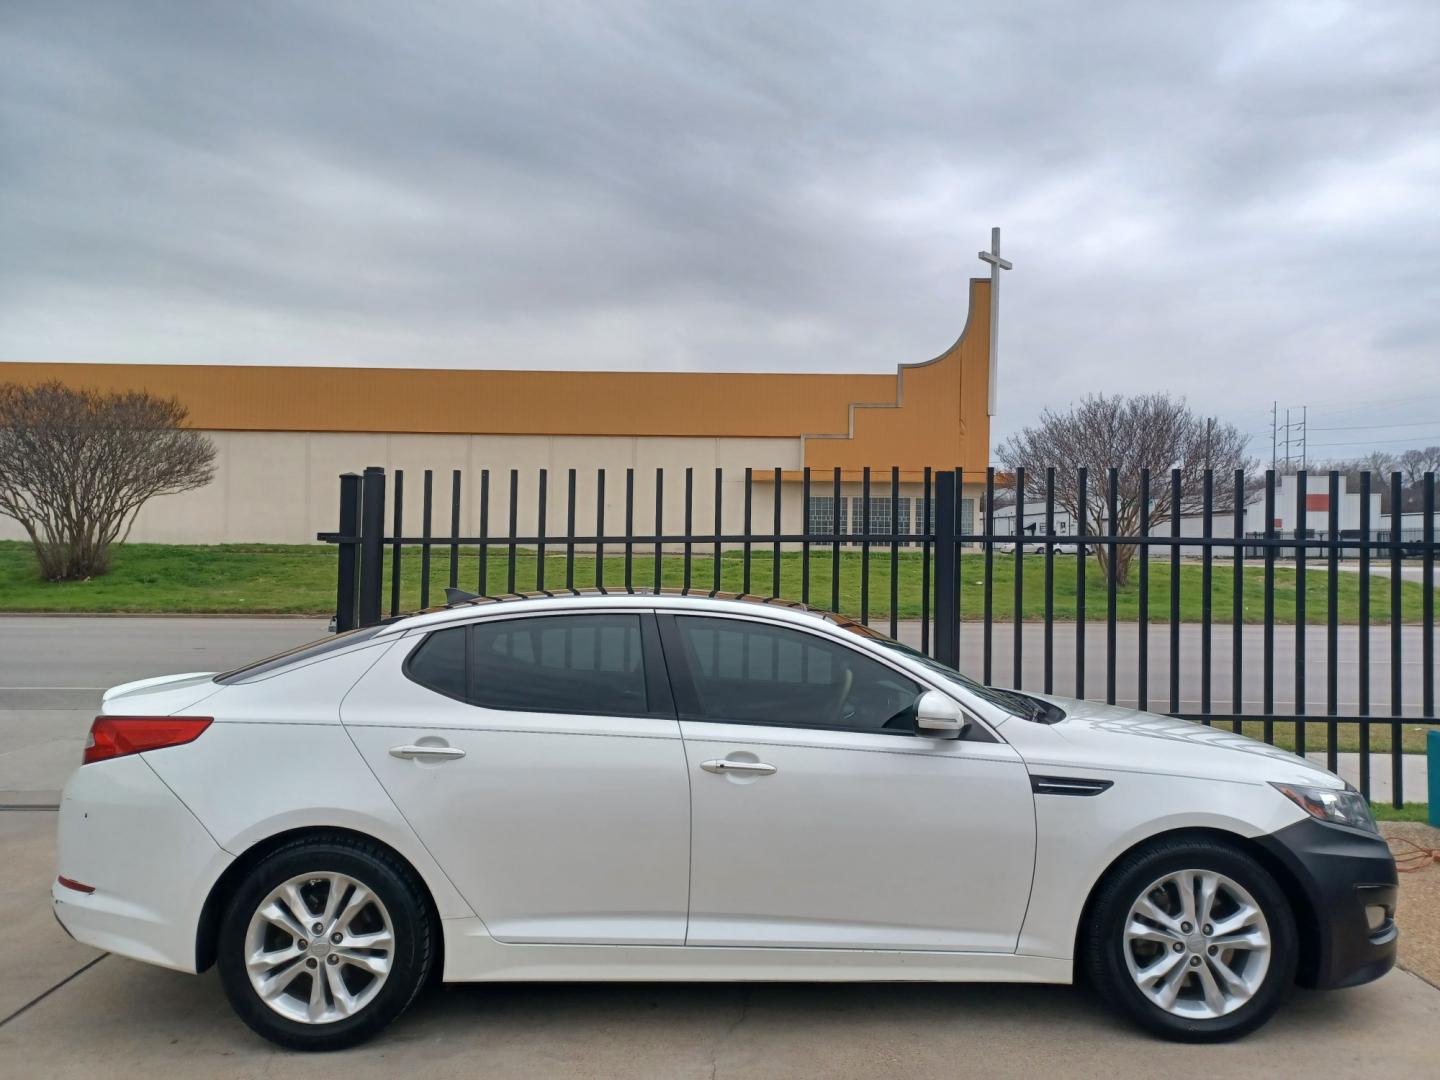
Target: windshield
(1016, 704)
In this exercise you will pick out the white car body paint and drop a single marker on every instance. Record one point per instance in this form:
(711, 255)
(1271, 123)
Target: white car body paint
(859, 818)
(148, 891)
(564, 847)
(556, 828)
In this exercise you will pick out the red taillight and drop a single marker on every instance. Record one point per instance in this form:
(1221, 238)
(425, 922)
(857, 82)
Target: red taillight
(116, 736)
(78, 886)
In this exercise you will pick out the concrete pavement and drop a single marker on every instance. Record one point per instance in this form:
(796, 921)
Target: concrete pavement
(1409, 571)
(86, 1014)
(69, 1011)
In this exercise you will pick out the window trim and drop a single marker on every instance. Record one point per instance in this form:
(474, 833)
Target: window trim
(687, 698)
(658, 698)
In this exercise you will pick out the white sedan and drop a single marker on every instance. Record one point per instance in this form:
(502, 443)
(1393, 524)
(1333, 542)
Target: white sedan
(659, 787)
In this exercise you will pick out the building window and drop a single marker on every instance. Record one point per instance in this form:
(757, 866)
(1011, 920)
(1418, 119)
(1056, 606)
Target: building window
(821, 517)
(967, 516)
(879, 514)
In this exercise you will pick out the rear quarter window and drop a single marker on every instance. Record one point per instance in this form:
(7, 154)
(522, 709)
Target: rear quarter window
(438, 663)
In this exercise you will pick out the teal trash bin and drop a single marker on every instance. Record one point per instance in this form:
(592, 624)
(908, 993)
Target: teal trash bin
(1432, 778)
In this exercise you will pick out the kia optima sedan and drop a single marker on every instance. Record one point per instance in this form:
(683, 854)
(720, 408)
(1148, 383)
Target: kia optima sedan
(662, 787)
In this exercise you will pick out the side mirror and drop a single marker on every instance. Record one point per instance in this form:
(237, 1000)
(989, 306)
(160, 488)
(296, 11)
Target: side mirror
(938, 716)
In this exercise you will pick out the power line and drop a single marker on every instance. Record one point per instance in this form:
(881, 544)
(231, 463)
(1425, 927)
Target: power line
(1376, 427)
(1372, 442)
(1364, 403)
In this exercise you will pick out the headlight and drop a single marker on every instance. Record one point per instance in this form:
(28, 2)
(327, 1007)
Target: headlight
(1343, 807)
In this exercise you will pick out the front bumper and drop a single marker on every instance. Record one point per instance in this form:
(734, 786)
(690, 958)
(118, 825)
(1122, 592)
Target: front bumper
(1349, 884)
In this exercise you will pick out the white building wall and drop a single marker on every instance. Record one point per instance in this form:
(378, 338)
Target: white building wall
(283, 487)
(1287, 511)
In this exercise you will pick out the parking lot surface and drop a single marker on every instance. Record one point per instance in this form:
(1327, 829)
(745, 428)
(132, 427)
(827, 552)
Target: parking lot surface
(70, 1011)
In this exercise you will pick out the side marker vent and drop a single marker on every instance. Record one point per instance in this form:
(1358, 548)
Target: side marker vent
(1068, 785)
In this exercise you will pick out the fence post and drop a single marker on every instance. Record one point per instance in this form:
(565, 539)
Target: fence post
(947, 614)
(349, 527)
(372, 534)
(1432, 763)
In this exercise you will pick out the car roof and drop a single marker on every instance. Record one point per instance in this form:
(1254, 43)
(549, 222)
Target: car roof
(596, 598)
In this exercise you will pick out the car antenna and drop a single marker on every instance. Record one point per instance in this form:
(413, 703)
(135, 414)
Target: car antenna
(455, 596)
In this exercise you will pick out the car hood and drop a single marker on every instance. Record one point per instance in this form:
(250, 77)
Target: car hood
(159, 696)
(1107, 736)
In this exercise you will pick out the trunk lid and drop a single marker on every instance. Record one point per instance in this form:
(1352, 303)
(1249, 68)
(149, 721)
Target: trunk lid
(162, 695)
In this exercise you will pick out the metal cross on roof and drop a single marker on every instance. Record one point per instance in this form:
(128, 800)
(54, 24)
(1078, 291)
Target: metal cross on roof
(996, 265)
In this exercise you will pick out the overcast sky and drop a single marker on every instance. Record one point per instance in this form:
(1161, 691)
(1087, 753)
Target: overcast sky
(1237, 203)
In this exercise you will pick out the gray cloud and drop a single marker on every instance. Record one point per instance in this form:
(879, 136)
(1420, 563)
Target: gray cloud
(1232, 201)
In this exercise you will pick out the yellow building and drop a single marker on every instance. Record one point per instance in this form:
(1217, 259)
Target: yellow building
(284, 434)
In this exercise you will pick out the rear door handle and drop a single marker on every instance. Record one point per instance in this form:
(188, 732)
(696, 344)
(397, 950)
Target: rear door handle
(409, 752)
(722, 765)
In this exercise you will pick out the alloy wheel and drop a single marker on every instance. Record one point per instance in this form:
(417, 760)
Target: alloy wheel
(1197, 944)
(319, 947)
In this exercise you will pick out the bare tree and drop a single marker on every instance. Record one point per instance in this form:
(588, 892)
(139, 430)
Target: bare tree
(76, 466)
(1148, 431)
(1416, 463)
(1378, 463)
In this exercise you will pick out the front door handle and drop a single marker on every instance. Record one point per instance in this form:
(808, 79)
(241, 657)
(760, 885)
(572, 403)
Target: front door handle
(409, 752)
(722, 765)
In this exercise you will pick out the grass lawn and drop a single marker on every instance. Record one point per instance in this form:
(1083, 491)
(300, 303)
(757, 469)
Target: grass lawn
(1347, 737)
(1411, 811)
(300, 579)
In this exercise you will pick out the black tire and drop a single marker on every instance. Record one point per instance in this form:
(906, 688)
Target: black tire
(414, 938)
(1103, 947)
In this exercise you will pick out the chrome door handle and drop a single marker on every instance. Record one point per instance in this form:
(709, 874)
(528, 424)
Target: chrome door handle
(408, 752)
(723, 765)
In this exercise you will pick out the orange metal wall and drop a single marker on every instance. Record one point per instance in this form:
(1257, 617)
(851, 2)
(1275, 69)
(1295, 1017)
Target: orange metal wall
(940, 420)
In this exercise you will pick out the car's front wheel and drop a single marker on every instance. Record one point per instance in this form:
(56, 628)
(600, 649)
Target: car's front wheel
(325, 942)
(1193, 938)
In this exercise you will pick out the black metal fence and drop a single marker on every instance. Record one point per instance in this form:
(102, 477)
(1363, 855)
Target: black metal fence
(925, 555)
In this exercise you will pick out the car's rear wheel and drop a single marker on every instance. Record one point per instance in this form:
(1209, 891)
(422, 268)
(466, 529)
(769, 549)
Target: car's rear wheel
(325, 942)
(1192, 938)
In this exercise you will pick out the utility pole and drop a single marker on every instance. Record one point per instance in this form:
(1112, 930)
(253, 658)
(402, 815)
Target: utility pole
(1274, 416)
(1295, 434)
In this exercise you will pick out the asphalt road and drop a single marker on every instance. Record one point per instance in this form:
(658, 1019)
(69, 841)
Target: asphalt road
(69, 1011)
(64, 661)
(54, 669)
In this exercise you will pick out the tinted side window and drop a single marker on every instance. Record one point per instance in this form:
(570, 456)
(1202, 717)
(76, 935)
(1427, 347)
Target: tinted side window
(560, 663)
(438, 663)
(755, 673)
